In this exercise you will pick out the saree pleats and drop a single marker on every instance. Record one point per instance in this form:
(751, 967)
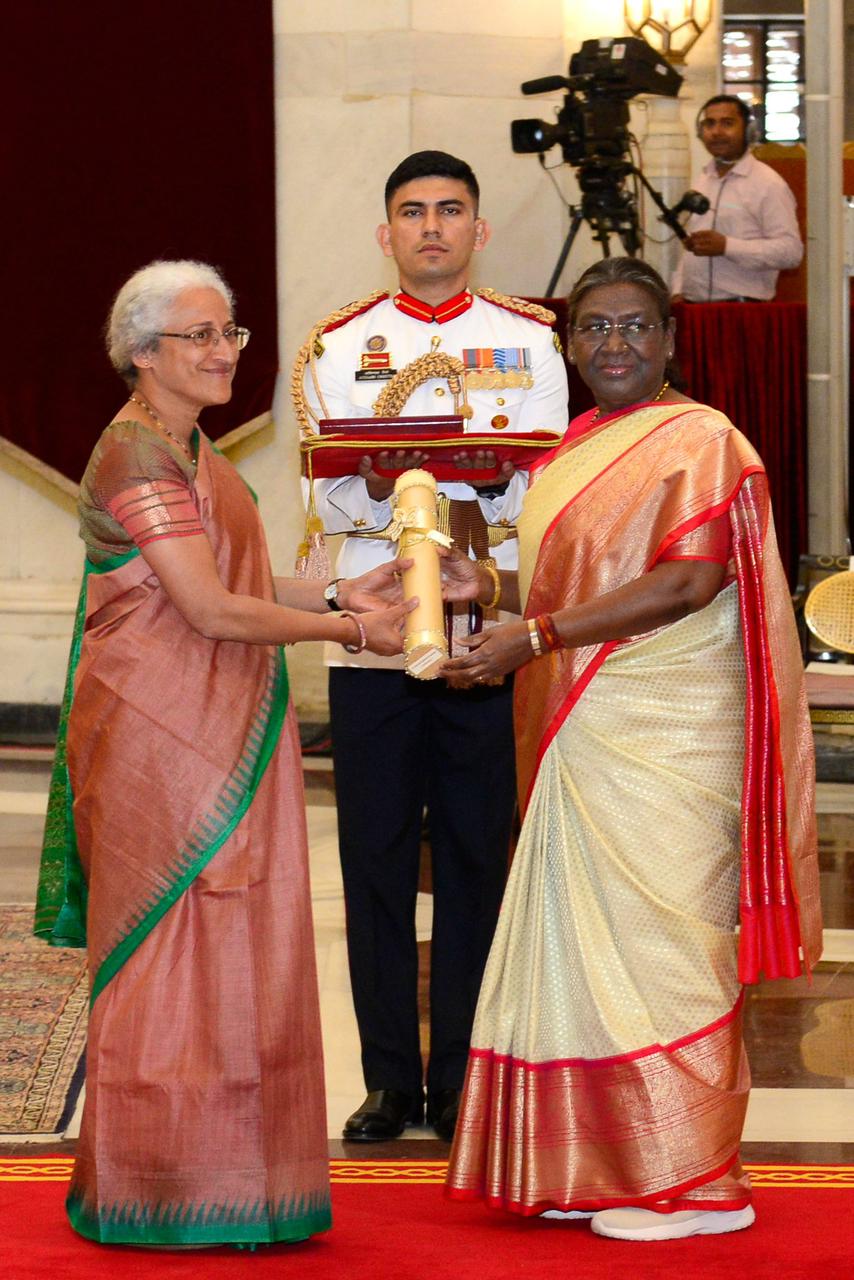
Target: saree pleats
(607, 1064)
(610, 1003)
(204, 1120)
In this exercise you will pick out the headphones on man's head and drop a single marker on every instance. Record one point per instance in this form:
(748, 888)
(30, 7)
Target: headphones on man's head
(751, 128)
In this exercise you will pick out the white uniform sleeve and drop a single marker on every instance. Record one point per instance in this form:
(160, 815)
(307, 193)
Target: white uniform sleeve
(505, 507)
(342, 502)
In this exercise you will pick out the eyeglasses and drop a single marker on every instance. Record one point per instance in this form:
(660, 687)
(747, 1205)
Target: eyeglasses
(209, 337)
(630, 331)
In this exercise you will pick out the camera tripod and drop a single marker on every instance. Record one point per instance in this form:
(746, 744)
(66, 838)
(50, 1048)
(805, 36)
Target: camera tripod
(608, 210)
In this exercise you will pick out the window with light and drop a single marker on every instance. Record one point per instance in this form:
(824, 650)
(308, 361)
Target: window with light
(763, 64)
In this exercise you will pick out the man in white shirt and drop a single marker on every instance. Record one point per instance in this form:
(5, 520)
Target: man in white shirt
(736, 250)
(399, 743)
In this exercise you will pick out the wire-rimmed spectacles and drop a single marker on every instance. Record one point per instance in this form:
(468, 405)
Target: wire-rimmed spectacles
(207, 336)
(629, 330)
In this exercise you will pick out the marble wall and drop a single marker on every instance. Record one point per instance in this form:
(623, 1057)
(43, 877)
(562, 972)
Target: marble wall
(358, 87)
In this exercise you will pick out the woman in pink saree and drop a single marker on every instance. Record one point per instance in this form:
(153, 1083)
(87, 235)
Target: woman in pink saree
(176, 841)
(666, 782)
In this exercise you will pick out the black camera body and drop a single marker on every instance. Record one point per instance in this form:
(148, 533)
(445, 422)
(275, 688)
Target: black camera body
(593, 122)
(592, 131)
(626, 66)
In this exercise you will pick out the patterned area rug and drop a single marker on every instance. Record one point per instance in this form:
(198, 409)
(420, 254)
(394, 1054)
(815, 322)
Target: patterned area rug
(43, 1013)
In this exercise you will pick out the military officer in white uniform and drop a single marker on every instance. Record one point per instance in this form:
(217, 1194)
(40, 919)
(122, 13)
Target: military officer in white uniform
(400, 744)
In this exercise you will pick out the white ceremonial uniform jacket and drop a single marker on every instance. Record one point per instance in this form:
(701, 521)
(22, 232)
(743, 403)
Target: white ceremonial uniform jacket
(755, 209)
(383, 328)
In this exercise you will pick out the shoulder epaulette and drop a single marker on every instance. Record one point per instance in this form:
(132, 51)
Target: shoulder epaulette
(312, 349)
(345, 314)
(519, 306)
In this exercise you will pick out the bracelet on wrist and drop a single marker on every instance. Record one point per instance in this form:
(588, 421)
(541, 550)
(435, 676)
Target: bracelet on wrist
(534, 636)
(548, 632)
(363, 635)
(489, 566)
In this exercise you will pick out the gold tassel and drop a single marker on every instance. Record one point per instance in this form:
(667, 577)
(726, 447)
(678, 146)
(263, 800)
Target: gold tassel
(312, 555)
(301, 563)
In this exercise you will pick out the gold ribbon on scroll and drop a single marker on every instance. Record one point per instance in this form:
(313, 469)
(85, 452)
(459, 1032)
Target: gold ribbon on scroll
(414, 528)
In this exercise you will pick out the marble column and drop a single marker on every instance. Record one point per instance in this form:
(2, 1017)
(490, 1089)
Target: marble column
(827, 287)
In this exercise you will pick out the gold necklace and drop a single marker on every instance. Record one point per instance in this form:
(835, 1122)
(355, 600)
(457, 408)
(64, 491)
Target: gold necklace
(182, 444)
(598, 414)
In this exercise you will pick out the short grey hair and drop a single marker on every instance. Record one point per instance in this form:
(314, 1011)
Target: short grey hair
(141, 305)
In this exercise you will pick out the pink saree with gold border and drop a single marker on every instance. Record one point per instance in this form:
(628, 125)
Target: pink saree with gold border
(667, 787)
(204, 1120)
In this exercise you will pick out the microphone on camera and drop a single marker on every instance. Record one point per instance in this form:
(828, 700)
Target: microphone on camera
(691, 202)
(545, 84)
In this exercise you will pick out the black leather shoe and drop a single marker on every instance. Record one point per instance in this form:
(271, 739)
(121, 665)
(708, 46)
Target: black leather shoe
(384, 1114)
(442, 1110)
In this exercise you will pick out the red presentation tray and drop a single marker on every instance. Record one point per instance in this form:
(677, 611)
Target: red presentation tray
(342, 441)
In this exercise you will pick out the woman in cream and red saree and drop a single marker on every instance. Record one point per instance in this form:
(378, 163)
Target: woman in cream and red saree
(666, 782)
(176, 841)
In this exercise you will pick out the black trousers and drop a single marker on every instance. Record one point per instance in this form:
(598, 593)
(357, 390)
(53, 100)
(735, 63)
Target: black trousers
(400, 744)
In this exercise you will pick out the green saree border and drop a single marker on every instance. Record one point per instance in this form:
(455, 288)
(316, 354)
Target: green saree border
(210, 831)
(237, 1224)
(61, 903)
(61, 897)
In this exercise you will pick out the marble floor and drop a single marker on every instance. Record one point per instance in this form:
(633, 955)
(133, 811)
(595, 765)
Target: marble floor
(800, 1034)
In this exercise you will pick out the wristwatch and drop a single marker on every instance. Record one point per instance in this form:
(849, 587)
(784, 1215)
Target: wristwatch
(330, 595)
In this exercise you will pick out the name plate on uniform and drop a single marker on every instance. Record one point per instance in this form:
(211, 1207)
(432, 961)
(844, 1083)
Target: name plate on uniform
(340, 442)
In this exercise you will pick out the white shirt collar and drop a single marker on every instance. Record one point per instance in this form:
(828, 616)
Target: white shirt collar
(742, 167)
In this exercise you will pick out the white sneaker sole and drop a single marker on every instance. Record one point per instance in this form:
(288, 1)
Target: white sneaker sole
(568, 1214)
(705, 1224)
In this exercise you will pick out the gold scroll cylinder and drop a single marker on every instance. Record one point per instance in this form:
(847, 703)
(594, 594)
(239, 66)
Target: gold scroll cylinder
(425, 646)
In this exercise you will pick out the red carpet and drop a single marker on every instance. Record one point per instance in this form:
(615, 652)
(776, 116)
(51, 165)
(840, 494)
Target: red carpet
(391, 1222)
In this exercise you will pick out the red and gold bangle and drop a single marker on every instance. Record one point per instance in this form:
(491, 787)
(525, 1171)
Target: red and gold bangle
(535, 638)
(548, 632)
(363, 636)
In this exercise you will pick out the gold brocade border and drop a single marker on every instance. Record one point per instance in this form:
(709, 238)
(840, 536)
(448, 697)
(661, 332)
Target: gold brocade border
(432, 1172)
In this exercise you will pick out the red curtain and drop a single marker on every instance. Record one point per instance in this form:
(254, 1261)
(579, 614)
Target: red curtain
(130, 132)
(749, 361)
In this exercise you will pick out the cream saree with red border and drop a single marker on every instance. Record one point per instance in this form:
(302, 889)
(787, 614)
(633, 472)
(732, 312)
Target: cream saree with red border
(667, 791)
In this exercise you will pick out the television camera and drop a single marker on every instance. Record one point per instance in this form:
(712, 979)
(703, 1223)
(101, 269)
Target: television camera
(592, 131)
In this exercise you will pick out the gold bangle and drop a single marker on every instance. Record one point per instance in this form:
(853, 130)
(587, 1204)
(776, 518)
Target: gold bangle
(489, 566)
(536, 643)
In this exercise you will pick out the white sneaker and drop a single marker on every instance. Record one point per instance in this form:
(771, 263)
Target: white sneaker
(645, 1224)
(568, 1214)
